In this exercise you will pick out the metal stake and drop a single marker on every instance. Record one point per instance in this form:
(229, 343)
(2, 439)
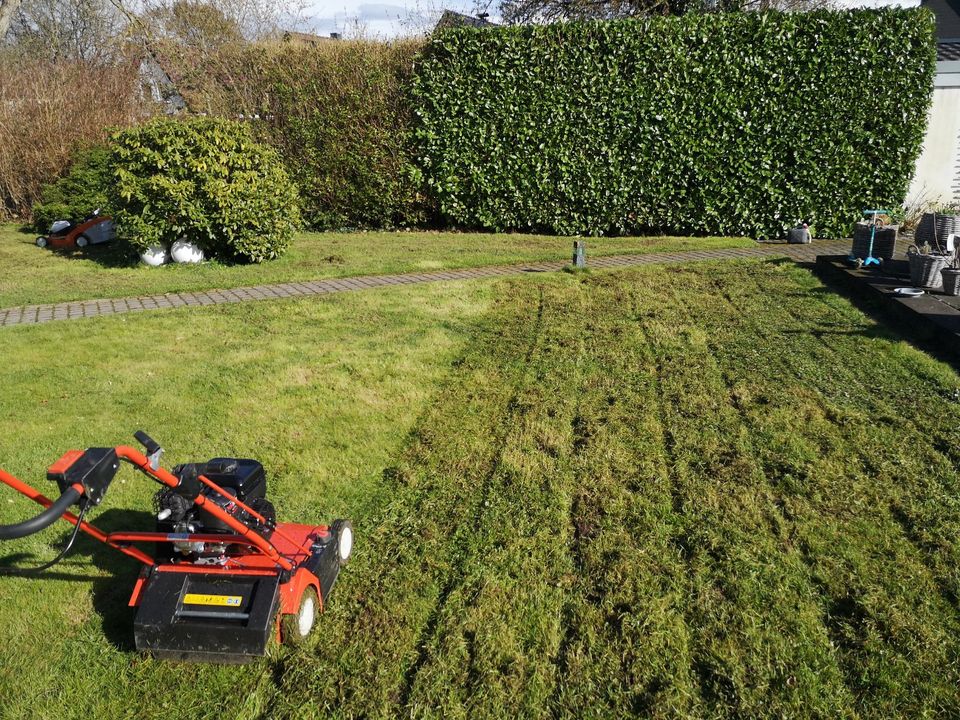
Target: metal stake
(579, 253)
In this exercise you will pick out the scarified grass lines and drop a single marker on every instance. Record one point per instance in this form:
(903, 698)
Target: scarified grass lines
(704, 492)
(733, 497)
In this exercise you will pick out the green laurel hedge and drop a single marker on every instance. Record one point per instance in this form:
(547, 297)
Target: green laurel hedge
(721, 123)
(207, 180)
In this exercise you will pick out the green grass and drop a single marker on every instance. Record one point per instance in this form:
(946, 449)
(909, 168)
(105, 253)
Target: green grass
(574, 497)
(323, 391)
(29, 275)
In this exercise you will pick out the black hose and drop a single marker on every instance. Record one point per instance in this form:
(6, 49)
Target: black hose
(47, 517)
(60, 556)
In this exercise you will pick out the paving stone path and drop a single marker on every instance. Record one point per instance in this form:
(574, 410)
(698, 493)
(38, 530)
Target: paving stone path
(31, 314)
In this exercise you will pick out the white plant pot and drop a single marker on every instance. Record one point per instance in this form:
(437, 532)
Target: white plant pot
(154, 256)
(183, 251)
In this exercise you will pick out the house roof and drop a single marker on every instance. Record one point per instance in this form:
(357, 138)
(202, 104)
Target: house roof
(451, 19)
(948, 51)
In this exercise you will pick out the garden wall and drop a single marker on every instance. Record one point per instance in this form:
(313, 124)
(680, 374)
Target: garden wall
(721, 123)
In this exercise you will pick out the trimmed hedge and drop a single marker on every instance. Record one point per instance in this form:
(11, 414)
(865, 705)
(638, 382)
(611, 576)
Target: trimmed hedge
(206, 180)
(721, 123)
(338, 113)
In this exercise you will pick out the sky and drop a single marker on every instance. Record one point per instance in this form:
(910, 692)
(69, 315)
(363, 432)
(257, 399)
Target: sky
(392, 19)
(398, 18)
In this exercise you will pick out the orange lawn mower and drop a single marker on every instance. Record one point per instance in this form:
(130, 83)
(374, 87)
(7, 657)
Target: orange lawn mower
(226, 577)
(65, 235)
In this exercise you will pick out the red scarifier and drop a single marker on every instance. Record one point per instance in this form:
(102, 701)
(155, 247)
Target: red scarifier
(225, 577)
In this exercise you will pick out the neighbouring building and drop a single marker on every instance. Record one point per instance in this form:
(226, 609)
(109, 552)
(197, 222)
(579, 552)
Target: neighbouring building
(156, 84)
(452, 19)
(936, 179)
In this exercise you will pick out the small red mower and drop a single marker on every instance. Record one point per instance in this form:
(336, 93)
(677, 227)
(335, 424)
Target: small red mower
(95, 229)
(226, 576)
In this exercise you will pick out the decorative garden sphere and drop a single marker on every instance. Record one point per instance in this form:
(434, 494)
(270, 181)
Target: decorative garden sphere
(184, 251)
(154, 256)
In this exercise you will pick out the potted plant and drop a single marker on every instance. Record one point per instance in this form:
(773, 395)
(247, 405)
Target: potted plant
(951, 275)
(937, 225)
(925, 266)
(883, 232)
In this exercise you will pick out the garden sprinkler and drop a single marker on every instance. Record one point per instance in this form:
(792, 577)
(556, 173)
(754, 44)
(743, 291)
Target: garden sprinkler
(870, 259)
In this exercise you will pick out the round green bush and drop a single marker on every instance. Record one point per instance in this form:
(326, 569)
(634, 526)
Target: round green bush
(205, 180)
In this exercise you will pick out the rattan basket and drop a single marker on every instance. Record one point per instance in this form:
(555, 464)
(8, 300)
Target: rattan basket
(925, 269)
(884, 240)
(935, 228)
(951, 280)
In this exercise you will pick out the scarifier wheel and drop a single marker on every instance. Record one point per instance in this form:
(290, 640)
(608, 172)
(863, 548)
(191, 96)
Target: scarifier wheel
(294, 628)
(41, 241)
(343, 531)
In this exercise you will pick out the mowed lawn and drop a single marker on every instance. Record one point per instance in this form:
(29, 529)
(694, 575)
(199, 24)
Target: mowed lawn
(29, 275)
(713, 491)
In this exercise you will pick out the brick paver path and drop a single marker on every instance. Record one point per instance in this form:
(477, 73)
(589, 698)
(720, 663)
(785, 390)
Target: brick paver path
(31, 314)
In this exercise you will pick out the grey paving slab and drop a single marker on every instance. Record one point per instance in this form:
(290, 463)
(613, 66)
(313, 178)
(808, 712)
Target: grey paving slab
(31, 314)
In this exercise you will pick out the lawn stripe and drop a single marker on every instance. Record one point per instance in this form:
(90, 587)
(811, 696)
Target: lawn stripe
(373, 636)
(885, 651)
(767, 654)
(627, 644)
(499, 631)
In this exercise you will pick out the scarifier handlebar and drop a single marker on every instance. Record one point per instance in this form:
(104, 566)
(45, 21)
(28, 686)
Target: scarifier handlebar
(45, 518)
(226, 576)
(84, 477)
(148, 442)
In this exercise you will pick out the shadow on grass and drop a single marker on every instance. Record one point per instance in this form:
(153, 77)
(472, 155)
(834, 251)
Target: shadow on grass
(121, 254)
(110, 592)
(116, 254)
(872, 332)
(891, 325)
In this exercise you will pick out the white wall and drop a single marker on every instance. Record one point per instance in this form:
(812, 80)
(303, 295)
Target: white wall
(937, 175)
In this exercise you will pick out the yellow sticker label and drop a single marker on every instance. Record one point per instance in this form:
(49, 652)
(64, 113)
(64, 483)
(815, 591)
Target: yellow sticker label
(223, 600)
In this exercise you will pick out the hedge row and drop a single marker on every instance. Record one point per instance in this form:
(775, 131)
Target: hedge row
(721, 123)
(338, 113)
(47, 111)
(718, 123)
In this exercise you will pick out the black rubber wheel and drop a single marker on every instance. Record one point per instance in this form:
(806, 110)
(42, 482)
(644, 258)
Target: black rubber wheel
(83, 240)
(295, 628)
(41, 241)
(343, 531)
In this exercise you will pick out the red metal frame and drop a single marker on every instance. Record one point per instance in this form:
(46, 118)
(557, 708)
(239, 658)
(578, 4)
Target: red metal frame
(287, 549)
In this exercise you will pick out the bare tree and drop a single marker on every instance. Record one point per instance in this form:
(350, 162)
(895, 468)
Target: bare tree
(194, 22)
(100, 29)
(65, 29)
